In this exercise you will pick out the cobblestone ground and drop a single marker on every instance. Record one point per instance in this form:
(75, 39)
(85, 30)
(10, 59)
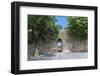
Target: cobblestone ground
(57, 56)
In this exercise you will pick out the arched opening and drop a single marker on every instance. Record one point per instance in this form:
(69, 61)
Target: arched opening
(59, 44)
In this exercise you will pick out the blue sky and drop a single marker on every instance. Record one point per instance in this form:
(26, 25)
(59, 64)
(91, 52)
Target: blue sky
(62, 20)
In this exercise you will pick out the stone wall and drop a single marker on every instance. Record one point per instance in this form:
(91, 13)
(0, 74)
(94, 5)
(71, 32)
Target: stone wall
(43, 48)
(76, 45)
(70, 44)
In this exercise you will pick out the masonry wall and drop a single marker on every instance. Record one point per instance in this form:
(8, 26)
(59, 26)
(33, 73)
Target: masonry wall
(71, 44)
(76, 45)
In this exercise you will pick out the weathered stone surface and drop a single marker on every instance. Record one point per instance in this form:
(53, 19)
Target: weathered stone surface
(60, 56)
(68, 45)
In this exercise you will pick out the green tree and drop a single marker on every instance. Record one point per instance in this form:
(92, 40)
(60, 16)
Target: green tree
(41, 28)
(78, 27)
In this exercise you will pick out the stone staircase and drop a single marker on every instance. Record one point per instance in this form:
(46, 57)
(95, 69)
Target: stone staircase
(62, 35)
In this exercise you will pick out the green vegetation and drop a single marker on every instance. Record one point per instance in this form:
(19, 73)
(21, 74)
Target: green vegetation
(40, 28)
(78, 27)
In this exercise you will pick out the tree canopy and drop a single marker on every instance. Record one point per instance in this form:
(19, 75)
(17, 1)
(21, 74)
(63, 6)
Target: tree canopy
(78, 27)
(41, 28)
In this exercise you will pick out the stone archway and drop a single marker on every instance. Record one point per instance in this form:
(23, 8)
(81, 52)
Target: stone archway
(59, 44)
(63, 36)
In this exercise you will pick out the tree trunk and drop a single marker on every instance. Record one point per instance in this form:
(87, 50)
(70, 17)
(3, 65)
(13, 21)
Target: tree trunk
(36, 53)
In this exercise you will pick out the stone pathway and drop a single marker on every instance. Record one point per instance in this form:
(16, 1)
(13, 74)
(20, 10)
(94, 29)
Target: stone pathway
(57, 56)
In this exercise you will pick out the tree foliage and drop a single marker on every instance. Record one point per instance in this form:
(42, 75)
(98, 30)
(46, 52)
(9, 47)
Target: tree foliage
(41, 28)
(78, 27)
